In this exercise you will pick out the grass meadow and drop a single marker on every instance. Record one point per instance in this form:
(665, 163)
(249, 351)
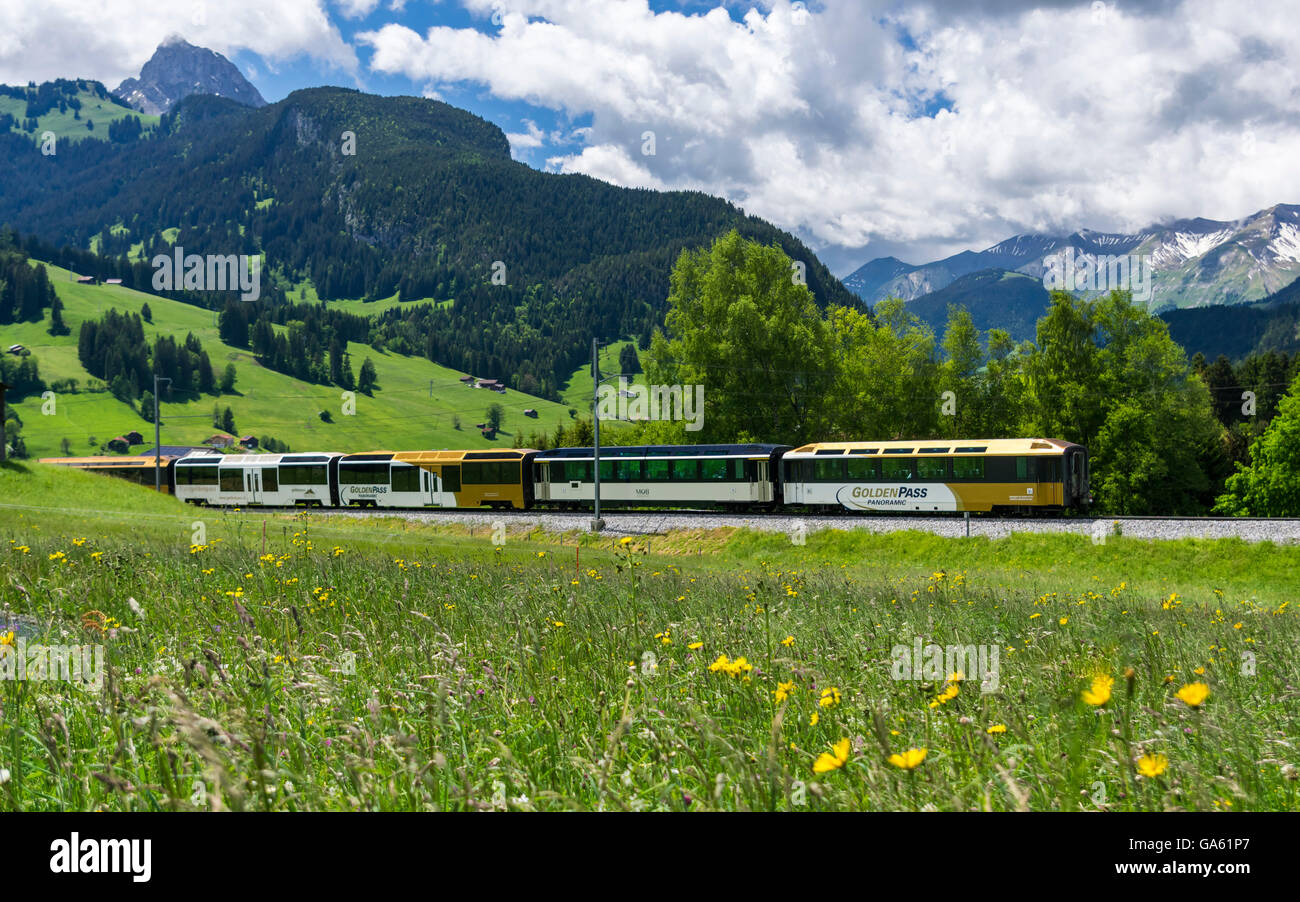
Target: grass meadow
(273, 662)
(416, 404)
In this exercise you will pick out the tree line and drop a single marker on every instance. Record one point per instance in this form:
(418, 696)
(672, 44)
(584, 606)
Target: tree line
(1101, 372)
(114, 349)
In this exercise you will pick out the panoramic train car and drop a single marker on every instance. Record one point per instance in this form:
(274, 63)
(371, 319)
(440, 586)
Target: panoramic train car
(927, 475)
(659, 475)
(435, 479)
(138, 469)
(244, 480)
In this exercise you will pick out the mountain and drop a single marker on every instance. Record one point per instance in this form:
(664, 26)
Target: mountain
(996, 299)
(178, 69)
(1193, 262)
(1271, 324)
(350, 196)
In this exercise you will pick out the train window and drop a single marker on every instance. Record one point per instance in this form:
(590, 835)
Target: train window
(298, 474)
(270, 480)
(405, 478)
(1022, 468)
(933, 451)
(801, 470)
(576, 471)
(971, 449)
(968, 467)
(713, 469)
(899, 450)
(363, 474)
(232, 480)
(932, 467)
(862, 469)
(656, 470)
(897, 469)
(1049, 469)
(451, 479)
(606, 471)
(686, 470)
(627, 470)
(197, 475)
(828, 470)
(491, 473)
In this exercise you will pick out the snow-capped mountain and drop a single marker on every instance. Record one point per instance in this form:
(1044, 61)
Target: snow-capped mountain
(1192, 262)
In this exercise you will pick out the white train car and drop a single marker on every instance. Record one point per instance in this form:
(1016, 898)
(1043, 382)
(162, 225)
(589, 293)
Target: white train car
(249, 480)
(692, 476)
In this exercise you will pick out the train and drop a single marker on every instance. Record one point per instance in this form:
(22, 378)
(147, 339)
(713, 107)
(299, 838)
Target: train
(1020, 476)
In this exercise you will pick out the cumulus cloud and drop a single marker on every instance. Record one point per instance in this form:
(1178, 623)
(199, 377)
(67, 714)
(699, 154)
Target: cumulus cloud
(932, 124)
(109, 40)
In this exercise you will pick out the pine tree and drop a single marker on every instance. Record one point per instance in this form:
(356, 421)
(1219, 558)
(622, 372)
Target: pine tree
(366, 382)
(57, 326)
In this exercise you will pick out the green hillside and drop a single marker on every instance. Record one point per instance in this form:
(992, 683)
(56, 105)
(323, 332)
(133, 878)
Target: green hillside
(577, 392)
(414, 406)
(70, 123)
(427, 204)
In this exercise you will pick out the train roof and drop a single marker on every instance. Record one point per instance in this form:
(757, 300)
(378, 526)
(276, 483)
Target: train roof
(612, 451)
(256, 460)
(455, 457)
(105, 461)
(923, 446)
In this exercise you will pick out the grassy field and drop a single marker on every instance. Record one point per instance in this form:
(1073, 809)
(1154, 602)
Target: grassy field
(413, 408)
(261, 661)
(577, 392)
(66, 127)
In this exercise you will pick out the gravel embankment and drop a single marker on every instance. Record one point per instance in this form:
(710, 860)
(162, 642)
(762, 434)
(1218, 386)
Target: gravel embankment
(621, 523)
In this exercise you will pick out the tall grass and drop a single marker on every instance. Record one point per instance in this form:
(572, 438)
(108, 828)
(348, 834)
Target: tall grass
(353, 666)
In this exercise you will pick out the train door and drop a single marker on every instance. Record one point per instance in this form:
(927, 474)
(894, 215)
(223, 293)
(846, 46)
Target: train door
(253, 485)
(788, 474)
(428, 487)
(542, 482)
(449, 485)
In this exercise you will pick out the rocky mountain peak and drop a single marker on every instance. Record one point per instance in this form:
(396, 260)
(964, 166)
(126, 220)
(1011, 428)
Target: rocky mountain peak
(178, 69)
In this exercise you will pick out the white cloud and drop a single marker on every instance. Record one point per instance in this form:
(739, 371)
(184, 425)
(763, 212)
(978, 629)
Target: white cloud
(610, 163)
(529, 139)
(821, 120)
(110, 40)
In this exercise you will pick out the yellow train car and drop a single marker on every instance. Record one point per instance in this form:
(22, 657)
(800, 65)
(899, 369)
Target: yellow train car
(463, 479)
(138, 469)
(935, 475)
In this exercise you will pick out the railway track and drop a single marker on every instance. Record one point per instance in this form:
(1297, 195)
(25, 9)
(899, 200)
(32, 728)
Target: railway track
(633, 522)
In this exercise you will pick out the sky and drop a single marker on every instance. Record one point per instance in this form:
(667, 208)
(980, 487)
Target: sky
(868, 128)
